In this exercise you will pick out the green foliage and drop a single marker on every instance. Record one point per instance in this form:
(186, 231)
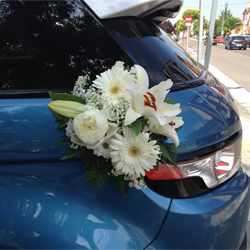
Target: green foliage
(65, 97)
(72, 153)
(225, 13)
(98, 169)
(218, 32)
(231, 21)
(164, 152)
(62, 121)
(169, 154)
(169, 100)
(170, 147)
(181, 24)
(217, 27)
(121, 184)
(196, 26)
(136, 126)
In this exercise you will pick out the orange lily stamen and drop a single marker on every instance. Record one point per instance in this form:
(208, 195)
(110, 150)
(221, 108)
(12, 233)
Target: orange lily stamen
(150, 101)
(172, 123)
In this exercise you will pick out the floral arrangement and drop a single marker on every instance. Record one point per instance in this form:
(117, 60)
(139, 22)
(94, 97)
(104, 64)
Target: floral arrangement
(120, 121)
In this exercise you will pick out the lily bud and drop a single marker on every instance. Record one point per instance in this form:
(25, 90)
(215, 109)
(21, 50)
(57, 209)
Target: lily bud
(66, 108)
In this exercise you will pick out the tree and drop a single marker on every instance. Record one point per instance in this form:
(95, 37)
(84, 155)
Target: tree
(225, 29)
(196, 25)
(167, 26)
(231, 21)
(225, 13)
(181, 24)
(217, 27)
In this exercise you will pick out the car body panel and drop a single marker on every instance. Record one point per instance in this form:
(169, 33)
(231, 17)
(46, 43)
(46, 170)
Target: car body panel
(48, 203)
(51, 205)
(219, 215)
(122, 8)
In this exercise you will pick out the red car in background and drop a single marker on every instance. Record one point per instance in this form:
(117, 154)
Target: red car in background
(221, 39)
(214, 42)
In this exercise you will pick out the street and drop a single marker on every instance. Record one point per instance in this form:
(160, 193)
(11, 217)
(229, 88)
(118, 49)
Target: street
(233, 63)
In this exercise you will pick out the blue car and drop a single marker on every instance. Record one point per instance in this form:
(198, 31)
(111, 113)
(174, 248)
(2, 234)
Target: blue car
(46, 202)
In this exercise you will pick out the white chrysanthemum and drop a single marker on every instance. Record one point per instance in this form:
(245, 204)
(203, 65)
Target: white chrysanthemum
(112, 84)
(103, 149)
(133, 155)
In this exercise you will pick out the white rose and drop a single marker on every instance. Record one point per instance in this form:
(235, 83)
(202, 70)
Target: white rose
(90, 126)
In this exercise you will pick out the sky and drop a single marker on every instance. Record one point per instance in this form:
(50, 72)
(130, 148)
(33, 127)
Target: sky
(236, 6)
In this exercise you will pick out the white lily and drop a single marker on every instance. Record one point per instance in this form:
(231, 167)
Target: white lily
(168, 129)
(147, 102)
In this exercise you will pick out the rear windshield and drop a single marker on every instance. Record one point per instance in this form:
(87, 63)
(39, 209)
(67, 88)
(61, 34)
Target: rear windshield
(240, 38)
(152, 48)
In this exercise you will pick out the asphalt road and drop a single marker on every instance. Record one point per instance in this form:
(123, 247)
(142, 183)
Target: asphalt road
(233, 63)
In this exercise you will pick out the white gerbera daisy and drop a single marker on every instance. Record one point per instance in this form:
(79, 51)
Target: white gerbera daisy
(133, 155)
(112, 84)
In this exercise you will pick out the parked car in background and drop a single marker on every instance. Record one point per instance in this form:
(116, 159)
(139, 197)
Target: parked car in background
(214, 41)
(236, 42)
(48, 203)
(221, 39)
(248, 41)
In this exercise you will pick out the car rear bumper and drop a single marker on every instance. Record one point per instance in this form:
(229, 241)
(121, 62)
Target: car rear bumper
(237, 46)
(216, 220)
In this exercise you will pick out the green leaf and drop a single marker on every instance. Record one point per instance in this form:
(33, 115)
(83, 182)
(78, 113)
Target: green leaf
(62, 122)
(61, 119)
(177, 129)
(169, 100)
(65, 97)
(172, 152)
(71, 153)
(63, 141)
(121, 184)
(136, 126)
(164, 151)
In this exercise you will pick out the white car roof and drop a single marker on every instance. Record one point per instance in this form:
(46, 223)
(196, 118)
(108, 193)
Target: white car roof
(117, 8)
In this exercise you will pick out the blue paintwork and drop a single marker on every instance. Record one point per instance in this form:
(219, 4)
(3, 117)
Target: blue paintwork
(52, 206)
(216, 220)
(47, 203)
(28, 131)
(210, 115)
(22, 119)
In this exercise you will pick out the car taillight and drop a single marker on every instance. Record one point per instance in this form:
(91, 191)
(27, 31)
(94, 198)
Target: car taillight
(245, 41)
(213, 169)
(232, 41)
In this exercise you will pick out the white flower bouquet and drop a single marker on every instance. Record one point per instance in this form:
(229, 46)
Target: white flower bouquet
(120, 121)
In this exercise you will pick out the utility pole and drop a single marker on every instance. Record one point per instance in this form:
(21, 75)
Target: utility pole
(222, 31)
(210, 33)
(200, 32)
